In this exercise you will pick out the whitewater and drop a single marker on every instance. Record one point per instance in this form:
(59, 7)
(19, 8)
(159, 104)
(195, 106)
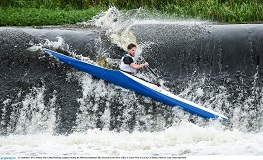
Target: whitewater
(112, 122)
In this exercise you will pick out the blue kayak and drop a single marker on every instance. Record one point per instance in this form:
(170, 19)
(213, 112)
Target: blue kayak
(138, 85)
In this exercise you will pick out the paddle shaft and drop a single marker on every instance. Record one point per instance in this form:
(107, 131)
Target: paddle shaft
(150, 68)
(152, 71)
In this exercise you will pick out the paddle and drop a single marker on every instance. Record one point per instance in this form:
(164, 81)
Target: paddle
(148, 67)
(152, 71)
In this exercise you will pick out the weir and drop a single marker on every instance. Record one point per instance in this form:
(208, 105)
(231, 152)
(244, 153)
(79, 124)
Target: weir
(216, 66)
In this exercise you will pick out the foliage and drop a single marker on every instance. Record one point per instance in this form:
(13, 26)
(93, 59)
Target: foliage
(18, 12)
(42, 16)
(233, 11)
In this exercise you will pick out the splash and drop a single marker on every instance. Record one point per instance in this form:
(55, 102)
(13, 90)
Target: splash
(117, 25)
(59, 44)
(112, 108)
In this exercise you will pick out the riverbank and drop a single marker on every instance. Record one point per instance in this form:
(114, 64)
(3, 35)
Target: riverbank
(63, 12)
(43, 16)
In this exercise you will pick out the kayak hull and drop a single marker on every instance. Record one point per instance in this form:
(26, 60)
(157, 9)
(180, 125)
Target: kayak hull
(138, 85)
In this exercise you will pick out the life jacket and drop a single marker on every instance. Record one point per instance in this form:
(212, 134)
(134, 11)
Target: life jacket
(123, 54)
(126, 67)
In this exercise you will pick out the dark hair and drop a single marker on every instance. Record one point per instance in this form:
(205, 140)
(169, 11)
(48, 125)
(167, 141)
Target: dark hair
(130, 46)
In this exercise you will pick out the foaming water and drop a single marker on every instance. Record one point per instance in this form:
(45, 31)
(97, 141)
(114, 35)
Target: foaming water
(31, 115)
(57, 110)
(185, 139)
(108, 107)
(34, 116)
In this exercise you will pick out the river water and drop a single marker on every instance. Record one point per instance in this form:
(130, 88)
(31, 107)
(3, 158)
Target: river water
(50, 109)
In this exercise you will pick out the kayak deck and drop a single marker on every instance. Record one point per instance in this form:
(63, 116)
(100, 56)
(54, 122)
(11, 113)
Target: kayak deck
(138, 85)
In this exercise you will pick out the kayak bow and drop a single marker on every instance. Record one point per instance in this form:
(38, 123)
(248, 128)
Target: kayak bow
(138, 85)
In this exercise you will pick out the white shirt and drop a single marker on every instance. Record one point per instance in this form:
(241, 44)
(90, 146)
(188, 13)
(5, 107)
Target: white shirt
(127, 67)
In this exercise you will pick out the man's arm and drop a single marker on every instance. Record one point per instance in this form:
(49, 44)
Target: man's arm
(129, 60)
(138, 66)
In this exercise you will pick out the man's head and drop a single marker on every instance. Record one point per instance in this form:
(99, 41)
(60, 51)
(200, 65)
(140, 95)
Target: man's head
(131, 49)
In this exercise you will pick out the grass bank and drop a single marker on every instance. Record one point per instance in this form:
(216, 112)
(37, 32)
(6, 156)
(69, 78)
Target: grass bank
(42, 16)
(229, 11)
(56, 12)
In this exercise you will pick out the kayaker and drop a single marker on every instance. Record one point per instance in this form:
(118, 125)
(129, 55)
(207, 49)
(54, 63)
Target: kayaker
(127, 61)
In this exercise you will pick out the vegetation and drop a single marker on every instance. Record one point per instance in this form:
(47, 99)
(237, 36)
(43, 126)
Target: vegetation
(43, 16)
(231, 11)
(45, 12)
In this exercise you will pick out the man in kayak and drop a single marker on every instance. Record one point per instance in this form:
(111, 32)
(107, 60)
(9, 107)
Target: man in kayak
(127, 61)
(128, 64)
